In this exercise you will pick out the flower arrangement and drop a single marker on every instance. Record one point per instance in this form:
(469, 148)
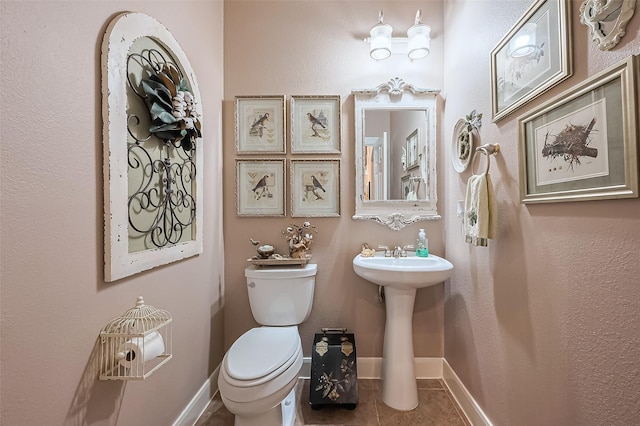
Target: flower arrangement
(299, 239)
(172, 106)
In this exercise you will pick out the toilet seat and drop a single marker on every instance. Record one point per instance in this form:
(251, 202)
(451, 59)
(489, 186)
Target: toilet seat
(250, 364)
(265, 377)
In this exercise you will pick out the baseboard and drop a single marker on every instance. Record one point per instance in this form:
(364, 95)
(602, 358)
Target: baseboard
(465, 400)
(200, 401)
(368, 368)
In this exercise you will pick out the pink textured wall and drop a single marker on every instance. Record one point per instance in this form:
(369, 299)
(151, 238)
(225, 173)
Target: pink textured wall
(541, 326)
(316, 48)
(54, 300)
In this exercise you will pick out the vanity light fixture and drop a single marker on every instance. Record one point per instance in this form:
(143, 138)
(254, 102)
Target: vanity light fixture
(415, 45)
(380, 39)
(419, 37)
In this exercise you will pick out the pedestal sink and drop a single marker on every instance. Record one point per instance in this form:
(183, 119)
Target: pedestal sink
(401, 278)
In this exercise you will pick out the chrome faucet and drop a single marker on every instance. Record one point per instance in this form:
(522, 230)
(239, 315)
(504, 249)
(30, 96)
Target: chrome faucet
(404, 250)
(387, 251)
(396, 252)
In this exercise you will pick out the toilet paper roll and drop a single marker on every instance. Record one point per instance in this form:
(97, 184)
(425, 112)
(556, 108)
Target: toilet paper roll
(134, 352)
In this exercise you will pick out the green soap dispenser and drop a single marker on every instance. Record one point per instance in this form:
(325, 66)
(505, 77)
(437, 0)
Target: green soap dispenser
(422, 249)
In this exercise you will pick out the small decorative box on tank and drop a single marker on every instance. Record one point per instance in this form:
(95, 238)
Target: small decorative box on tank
(334, 373)
(136, 344)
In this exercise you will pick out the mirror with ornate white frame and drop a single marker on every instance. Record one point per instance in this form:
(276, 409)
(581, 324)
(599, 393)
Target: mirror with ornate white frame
(395, 147)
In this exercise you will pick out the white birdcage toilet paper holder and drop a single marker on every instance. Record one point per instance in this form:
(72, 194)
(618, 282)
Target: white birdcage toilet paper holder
(135, 344)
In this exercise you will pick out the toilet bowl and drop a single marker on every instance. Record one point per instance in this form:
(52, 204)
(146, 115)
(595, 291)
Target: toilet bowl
(260, 370)
(253, 382)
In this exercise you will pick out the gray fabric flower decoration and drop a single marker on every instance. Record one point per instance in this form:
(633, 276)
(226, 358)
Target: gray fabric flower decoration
(172, 107)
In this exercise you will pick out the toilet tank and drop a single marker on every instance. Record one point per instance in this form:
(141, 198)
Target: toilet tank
(281, 296)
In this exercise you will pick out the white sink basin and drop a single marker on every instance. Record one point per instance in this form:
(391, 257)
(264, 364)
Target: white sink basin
(401, 278)
(403, 272)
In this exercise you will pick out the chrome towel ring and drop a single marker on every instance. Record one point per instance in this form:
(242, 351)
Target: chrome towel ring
(488, 150)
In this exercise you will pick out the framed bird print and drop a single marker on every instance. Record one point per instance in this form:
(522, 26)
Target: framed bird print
(260, 124)
(315, 188)
(315, 124)
(583, 144)
(260, 188)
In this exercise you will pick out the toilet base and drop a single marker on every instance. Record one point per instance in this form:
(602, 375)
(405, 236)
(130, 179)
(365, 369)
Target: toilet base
(289, 409)
(272, 417)
(263, 412)
(283, 414)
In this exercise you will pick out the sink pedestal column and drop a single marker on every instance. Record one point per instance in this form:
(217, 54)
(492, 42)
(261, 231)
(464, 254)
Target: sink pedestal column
(399, 386)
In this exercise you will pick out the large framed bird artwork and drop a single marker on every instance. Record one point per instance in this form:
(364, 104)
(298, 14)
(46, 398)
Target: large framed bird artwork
(315, 124)
(260, 189)
(583, 144)
(260, 124)
(315, 188)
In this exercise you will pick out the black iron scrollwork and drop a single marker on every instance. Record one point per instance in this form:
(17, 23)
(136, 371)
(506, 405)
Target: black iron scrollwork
(161, 172)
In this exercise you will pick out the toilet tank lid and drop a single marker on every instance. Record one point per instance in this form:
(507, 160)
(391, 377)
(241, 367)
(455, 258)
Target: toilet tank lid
(310, 269)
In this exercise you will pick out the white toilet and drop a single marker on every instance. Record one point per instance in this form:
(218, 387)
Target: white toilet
(260, 370)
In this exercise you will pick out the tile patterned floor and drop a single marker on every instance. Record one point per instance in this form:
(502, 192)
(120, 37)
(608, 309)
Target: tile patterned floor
(436, 407)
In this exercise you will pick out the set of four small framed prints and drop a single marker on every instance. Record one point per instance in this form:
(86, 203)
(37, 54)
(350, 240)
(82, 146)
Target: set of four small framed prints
(260, 128)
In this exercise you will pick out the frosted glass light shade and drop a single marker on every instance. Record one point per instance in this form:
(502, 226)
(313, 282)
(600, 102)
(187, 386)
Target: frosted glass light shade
(419, 37)
(380, 41)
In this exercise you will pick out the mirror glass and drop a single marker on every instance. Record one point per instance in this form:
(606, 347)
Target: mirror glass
(395, 154)
(393, 148)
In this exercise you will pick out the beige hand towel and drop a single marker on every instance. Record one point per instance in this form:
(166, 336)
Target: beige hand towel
(480, 211)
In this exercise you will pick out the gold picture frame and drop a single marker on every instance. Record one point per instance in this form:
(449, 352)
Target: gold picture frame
(534, 56)
(260, 124)
(315, 124)
(583, 144)
(315, 188)
(413, 150)
(260, 187)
